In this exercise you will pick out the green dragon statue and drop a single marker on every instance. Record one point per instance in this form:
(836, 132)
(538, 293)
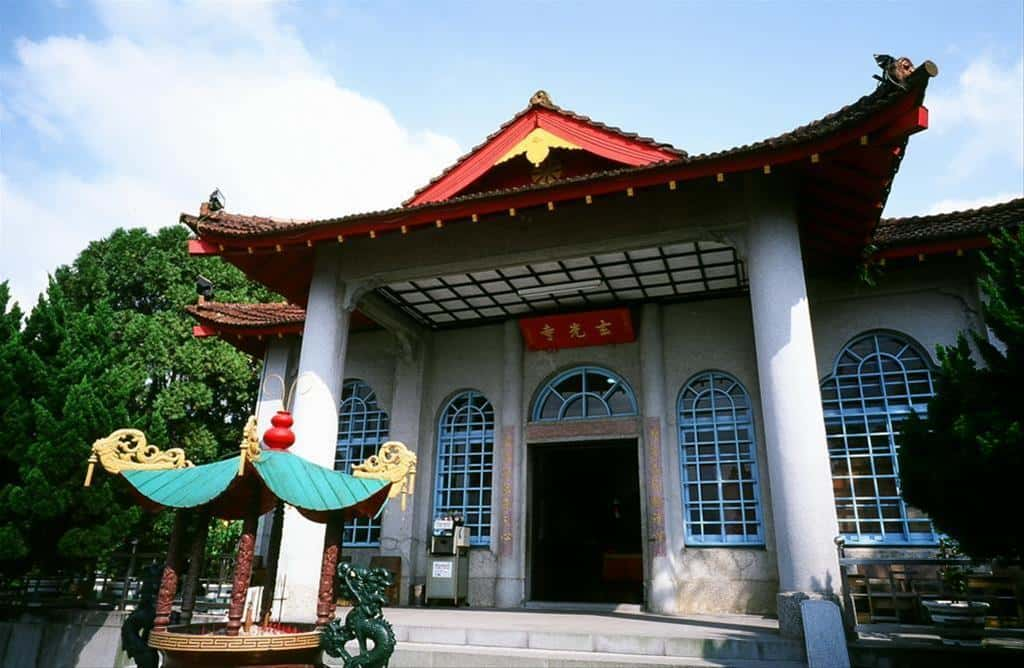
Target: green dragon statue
(364, 622)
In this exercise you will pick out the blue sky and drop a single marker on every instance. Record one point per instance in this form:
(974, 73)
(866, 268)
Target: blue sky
(117, 113)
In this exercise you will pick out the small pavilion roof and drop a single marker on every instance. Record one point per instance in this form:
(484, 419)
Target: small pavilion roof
(313, 490)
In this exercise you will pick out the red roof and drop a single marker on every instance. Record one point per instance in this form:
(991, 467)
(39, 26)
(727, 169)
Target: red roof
(613, 144)
(843, 165)
(951, 231)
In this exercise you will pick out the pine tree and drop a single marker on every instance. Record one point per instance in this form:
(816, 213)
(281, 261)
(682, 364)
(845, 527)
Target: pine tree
(109, 345)
(962, 464)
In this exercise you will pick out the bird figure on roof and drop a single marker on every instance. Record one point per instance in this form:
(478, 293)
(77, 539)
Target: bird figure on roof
(894, 70)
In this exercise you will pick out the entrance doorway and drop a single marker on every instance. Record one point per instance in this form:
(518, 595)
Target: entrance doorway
(585, 533)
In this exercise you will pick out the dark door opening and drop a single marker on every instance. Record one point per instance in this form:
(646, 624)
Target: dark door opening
(585, 523)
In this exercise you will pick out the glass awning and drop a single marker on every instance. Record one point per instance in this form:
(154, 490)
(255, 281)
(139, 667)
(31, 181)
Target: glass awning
(671, 272)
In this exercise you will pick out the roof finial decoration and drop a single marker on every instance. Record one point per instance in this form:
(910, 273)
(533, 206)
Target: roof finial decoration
(542, 98)
(895, 71)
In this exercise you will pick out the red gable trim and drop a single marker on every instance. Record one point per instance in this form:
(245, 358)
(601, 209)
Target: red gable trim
(600, 142)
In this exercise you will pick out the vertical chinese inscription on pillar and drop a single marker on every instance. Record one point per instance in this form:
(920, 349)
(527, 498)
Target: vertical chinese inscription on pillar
(656, 490)
(507, 471)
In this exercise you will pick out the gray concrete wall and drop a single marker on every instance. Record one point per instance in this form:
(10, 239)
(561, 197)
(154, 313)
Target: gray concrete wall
(62, 639)
(458, 360)
(930, 302)
(717, 335)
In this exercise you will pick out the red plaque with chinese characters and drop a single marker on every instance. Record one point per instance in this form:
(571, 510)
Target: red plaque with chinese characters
(578, 330)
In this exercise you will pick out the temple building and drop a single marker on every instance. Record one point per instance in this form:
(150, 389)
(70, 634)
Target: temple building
(639, 375)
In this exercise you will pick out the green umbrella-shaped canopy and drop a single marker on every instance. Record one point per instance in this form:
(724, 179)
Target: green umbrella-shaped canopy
(315, 491)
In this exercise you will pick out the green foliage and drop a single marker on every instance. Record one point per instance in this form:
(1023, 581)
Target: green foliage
(109, 345)
(962, 464)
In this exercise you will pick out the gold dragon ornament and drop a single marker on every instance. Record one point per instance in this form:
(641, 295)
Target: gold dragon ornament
(394, 463)
(128, 450)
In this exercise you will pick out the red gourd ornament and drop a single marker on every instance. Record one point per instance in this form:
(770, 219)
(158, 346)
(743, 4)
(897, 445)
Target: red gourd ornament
(280, 436)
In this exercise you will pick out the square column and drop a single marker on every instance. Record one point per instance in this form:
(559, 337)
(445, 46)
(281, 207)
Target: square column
(663, 503)
(397, 536)
(315, 408)
(510, 459)
(794, 427)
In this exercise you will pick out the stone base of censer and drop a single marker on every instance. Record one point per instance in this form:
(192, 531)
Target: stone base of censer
(277, 646)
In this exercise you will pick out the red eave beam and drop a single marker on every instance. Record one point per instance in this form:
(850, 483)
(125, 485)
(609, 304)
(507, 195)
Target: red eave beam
(911, 122)
(899, 120)
(934, 248)
(201, 247)
(203, 331)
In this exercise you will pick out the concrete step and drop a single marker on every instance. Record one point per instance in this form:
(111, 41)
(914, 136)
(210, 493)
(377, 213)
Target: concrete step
(429, 655)
(604, 636)
(763, 648)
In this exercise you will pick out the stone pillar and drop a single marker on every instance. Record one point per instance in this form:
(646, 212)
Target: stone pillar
(273, 388)
(315, 409)
(326, 602)
(661, 585)
(510, 502)
(244, 557)
(397, 535)
(794, 428)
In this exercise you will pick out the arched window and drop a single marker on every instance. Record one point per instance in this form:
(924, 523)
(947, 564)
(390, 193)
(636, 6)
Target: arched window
(362, 428)
(879, 378)
(465, 463)
(582, 393)
(721, 498)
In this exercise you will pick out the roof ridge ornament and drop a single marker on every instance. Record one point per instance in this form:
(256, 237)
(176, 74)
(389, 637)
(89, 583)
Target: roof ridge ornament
(541, 98)
(895, 71)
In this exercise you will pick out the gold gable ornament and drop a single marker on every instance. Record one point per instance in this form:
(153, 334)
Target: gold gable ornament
(537, 146)
(128, 450)
(393, 463)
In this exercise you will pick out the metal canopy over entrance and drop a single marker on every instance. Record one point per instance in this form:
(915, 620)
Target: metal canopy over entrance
(670, 272)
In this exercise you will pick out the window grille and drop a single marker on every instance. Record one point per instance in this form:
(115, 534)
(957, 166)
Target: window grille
(879, 378)
(362, 428)
(721, 495)
(582, 393)
(465, 463)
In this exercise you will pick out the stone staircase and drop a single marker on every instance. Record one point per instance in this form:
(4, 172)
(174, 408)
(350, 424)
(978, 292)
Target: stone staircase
(534, 639)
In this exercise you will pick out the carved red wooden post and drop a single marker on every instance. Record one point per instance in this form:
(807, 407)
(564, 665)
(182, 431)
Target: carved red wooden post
(243, 571)
(172, 567)
(326, 602)
(273, 553)
(196, 560)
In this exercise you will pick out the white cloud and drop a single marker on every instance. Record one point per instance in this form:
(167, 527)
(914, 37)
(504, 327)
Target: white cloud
(181, 99)
(954, 204)
(987, 106)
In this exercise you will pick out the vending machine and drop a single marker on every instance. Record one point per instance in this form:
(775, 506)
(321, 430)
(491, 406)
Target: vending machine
(448, 567)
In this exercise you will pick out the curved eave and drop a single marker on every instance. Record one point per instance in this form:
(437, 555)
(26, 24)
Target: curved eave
(314, 491)
(845, 164)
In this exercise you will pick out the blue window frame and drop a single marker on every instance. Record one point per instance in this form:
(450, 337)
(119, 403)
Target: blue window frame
(582, 393)
(879, 378)
(718, 455)
(465, 463)
(362, 428)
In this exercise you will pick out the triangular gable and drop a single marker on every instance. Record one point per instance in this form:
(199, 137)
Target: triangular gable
(534, 133)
